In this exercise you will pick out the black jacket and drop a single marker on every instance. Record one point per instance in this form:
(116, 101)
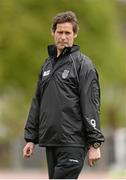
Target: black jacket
(65, 109)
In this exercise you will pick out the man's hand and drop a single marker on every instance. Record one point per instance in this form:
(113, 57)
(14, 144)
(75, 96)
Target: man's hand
(28, 149)
(93, 155)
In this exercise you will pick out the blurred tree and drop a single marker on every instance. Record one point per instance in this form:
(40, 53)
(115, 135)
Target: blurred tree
(24, 35)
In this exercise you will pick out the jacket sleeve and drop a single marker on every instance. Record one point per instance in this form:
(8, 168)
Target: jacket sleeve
(31, 133)
(90, 102)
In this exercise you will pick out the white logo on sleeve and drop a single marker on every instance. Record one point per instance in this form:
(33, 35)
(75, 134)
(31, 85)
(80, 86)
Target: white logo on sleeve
(74, 160)
(65, 74)
(46, 73)
(93, 123)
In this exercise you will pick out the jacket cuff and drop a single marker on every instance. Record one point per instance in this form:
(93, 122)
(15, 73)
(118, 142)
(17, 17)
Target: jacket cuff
(31, 140)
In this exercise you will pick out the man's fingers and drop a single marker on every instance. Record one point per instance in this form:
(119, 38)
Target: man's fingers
(27, 152)
(92, 162)
(93, 155)
(89, 162)
(30, 151)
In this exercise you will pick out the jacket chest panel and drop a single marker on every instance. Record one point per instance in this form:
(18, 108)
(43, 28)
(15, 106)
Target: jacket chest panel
(46, 73)
(63, 74)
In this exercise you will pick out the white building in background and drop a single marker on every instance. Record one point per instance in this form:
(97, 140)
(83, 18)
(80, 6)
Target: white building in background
(120, 149)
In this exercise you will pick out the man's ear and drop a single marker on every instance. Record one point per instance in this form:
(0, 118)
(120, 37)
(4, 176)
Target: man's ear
(75, 35)
(52, 32)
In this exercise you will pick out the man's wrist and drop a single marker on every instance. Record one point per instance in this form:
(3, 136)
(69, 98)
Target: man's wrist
(95, 145)
(30, 141)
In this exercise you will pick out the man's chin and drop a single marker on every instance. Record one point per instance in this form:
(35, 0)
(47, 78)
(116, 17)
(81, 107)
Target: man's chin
(61, 47)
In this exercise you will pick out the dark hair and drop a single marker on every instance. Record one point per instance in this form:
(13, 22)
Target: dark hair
(63, 17)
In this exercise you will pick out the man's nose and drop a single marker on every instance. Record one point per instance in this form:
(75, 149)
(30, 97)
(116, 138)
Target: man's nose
(63, 36)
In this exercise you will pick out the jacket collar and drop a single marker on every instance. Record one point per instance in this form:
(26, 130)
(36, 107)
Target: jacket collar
(52, 50)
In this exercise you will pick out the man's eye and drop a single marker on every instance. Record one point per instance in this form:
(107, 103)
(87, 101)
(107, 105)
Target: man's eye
(67, 33)
(60, 32)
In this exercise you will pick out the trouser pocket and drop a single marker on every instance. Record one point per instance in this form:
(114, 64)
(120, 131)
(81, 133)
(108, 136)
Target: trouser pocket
(70, 161)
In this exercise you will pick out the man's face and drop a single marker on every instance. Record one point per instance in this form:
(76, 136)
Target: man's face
(64, 35)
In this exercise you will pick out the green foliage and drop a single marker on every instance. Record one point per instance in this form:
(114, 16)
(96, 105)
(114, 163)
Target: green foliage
(25, 34)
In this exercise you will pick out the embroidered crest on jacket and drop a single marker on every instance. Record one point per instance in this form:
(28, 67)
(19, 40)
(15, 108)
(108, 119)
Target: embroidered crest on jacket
(65, 74)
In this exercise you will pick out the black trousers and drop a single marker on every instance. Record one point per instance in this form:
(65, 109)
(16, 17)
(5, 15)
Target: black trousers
(65, 162)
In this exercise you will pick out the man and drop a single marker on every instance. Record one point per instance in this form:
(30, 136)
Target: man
(64, 114)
